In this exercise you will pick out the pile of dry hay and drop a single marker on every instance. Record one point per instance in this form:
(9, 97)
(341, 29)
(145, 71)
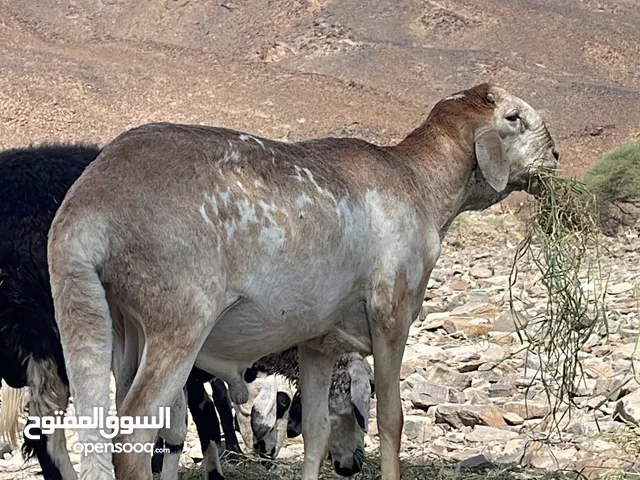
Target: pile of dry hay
(562, 243)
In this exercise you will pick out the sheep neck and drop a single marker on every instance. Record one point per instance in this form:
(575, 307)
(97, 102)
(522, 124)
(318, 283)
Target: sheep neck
(446, 171)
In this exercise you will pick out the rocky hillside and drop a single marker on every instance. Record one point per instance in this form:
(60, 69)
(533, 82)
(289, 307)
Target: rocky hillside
(300, 68)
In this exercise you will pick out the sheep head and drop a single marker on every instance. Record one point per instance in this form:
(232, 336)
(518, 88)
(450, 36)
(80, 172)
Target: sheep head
(514, 144)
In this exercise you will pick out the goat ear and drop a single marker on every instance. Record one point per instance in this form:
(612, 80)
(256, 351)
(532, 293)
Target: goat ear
(492, 160)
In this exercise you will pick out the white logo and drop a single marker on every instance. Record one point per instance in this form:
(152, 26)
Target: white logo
(112, 422)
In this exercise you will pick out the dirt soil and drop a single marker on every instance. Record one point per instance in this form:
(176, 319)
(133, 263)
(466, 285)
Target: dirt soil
(293, 69)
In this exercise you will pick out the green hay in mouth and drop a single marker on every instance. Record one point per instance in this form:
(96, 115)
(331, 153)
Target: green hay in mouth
(562, 243)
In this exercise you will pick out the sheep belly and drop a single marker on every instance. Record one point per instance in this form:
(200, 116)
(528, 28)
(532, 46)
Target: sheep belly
(248, 332)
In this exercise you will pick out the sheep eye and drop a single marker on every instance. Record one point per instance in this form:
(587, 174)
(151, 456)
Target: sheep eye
(512, 117)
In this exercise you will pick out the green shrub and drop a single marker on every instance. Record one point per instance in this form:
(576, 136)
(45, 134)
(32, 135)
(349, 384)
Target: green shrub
(616, 176)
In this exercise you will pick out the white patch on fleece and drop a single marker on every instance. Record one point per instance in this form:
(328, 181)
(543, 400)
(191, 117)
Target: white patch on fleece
(231, 155)
(211, 201)
(394, 238)
(245, 137)
(204, 215)
(272, 237)
(268, 210)
(303, 200)
(247, 212)
(225, 197)
(229, 227)
(309, 177)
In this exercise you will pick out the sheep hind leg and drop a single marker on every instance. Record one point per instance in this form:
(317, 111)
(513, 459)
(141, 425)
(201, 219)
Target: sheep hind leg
(315, 380)
(158, 456)
(204, 416)
(48, 394)
(221, 401)
(174, 438)
(160, 377)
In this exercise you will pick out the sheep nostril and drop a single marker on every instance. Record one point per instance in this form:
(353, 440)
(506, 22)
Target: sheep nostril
(556, 154)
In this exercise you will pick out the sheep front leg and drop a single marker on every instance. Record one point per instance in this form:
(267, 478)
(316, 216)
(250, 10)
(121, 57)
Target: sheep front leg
(315, 380)
(391, 317)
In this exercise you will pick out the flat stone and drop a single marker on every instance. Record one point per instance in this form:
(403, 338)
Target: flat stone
(528, 409)
(490, 376)
(552, 459)
(500, 390)
(620, 288)
(592, 427)
(418, 430)
(513, 418)
(424, 394)
(584, 387)
(467, 366)
(597, 445)
(459, 416)
(624, 352)
(595, 402)
(473, 396)
(459, 285)
(463, 454)
(484, 350)
(424, 353)
(481, 272)
(515, 446)
(487, 367)
(476, 462)
(605, 386)
(445, 376)
(434, 321)
(430, 351)
(483, 434)
(602, 370)
(498, 280)
(511, 321)
(406, 371)
(628, 408)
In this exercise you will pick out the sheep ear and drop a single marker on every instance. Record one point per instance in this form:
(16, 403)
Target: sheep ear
(294, 425)
(360, 394)
(492, 160)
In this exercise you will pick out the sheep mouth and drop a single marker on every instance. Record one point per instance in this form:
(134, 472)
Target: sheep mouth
(530, 180)
(534, 185)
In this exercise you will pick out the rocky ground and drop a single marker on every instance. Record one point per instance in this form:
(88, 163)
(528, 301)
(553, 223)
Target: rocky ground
(473, 395)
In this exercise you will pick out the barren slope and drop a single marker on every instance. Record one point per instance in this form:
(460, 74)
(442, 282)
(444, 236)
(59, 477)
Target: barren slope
(295, 68)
